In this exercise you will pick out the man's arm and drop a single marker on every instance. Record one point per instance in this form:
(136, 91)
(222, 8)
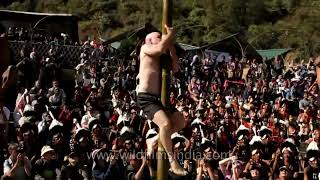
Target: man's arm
(9, 172)
(161, 47)
(27, 166)
(305, 174)
(12, 171)
(223, 163)
(139, 174)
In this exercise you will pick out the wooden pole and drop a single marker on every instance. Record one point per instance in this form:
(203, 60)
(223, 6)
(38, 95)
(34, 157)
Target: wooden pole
(163, 163)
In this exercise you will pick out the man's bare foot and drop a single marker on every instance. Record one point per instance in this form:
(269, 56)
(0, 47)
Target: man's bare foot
(177, 169)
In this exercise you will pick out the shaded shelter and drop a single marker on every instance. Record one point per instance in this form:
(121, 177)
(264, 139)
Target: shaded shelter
(235, 44)
(55, 24)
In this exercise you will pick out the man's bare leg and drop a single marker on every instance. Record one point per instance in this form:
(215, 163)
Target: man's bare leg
(165, 126)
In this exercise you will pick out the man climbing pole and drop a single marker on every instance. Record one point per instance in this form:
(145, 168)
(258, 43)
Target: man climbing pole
(148, 91)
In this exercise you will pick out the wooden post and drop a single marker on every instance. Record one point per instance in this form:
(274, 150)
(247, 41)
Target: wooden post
(163, 163)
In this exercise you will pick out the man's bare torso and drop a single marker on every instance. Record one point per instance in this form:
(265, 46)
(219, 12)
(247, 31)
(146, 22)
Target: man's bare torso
(149, 73)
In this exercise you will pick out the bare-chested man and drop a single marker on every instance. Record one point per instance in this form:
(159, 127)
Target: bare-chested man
(148, 91)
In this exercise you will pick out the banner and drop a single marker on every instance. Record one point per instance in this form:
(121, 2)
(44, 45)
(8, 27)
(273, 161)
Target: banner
(216, 55)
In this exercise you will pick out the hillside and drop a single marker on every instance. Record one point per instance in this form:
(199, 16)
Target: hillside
(267, 23)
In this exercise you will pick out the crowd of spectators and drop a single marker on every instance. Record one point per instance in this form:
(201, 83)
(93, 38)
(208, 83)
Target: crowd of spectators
(245, 120)
(24, 34)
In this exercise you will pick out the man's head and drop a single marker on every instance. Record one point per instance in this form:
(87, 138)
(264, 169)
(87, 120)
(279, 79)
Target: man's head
(57, 139)
(56, 90)
(73, 158)
(316, 134)
(313, 162)
(55, 84)
(153, 38)
(255, 172)
(283, 172)
(47, 153)
(256, 154)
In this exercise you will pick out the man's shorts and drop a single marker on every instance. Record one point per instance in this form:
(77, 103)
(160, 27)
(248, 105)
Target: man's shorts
(149, 104)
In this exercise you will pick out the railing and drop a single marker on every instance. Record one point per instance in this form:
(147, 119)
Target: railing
(69, 54)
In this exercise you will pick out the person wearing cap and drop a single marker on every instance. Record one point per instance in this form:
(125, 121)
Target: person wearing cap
(47, 166)
(17, 166)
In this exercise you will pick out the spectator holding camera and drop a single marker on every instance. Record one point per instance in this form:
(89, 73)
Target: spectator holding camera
(231, 167)
(106, 167)
(205, 171)
(17, 166)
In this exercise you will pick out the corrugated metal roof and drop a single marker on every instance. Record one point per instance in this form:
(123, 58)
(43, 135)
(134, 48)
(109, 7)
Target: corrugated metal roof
(188, 47)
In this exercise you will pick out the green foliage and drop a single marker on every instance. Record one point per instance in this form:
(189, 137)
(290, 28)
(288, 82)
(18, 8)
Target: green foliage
(267, 23)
